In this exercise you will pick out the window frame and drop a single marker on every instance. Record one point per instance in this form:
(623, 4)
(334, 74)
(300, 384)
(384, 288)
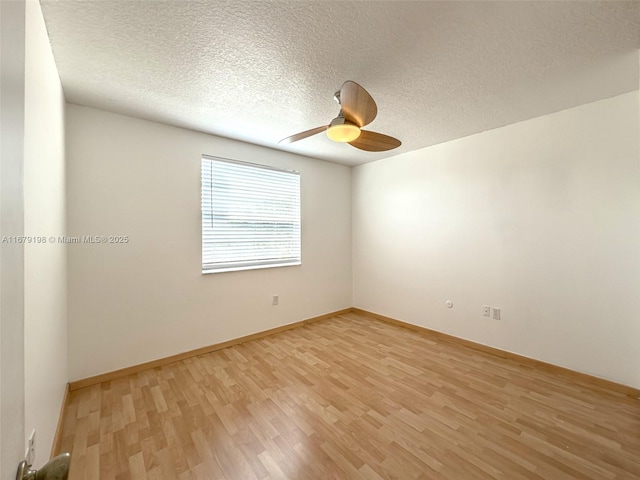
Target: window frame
(256, 263)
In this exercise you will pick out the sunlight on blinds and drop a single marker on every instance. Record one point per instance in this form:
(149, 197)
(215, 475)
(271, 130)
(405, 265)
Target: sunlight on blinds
(250, 216)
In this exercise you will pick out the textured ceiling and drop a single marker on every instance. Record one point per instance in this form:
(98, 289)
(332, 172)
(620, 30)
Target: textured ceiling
(259, 71)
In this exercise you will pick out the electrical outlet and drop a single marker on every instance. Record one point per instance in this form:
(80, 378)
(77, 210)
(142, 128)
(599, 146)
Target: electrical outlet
(275, 300)
(486, 311)
(31, 449)
(496, 313)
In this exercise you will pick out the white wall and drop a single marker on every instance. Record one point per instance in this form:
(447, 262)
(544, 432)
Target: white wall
(12, 31)
(539, 218)
(45, 294)
(148, 299)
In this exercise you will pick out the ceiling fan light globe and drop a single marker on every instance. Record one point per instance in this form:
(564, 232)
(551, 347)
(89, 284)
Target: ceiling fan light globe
(343, 132)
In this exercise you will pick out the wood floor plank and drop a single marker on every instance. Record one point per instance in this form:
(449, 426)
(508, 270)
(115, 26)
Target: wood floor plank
(347, 398)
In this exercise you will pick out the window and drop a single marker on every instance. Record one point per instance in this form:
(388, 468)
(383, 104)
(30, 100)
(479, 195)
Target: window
(250, 216)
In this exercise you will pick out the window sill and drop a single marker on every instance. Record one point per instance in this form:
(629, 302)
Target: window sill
(248, 267)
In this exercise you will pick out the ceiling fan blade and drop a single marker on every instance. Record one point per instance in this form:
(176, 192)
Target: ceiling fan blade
(357, 105)
(375, 142)
(301, 135)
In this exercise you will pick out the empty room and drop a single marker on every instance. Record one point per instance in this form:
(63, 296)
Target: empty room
(319, 240)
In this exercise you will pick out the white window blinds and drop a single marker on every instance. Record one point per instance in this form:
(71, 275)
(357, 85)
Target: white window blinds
(250, 216)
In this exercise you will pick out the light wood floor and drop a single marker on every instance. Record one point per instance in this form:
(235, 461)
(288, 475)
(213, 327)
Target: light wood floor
(348, 398)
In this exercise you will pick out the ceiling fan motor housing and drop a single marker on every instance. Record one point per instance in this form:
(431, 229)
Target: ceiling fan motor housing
(340, 120)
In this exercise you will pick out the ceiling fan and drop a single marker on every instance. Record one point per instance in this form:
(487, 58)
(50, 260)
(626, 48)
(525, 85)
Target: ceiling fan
(357, 109)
